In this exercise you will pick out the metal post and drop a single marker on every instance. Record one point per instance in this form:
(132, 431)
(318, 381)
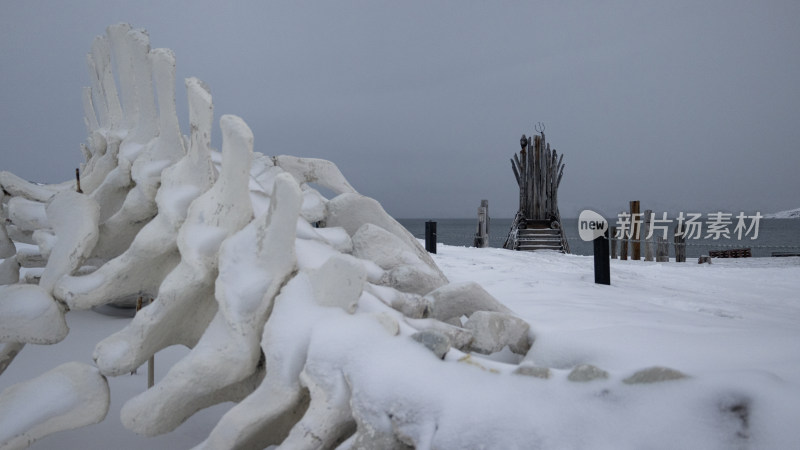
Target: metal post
(151, 367)
(151, 363)
(602, 265)
(430, 236)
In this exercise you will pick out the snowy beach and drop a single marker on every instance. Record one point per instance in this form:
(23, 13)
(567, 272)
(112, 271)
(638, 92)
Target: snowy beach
(192, 282)
(732, 327)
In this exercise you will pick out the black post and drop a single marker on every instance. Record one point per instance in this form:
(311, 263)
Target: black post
(430, 236)
(602, 267)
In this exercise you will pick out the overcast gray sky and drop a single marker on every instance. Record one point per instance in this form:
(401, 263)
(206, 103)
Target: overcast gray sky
(686, 106)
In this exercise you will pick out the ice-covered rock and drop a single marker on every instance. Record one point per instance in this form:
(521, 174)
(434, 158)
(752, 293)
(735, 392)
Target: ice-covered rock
(531, 370)
(493, 330)
(462, 299)
(587, 372)
(654, 375)
(435, 341)
(458, 337)
(406, 268)
(339, 283)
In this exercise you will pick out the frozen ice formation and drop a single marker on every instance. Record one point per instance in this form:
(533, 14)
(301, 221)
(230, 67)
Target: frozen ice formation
(323, 319)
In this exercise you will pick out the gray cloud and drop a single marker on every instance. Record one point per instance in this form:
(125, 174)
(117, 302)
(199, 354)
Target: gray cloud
(687, 106)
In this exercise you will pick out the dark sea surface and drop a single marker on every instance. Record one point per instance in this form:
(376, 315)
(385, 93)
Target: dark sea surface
(774, 235)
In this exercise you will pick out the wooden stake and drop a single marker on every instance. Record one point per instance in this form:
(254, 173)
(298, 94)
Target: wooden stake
(78, 178)
(481, 239)
(613, 242)
(648, 243)
(635, 231)
(680, 243)
(623, 244)
(662, 249)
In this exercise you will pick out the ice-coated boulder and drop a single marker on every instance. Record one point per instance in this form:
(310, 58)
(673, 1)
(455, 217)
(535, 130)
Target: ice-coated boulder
(454, 300)
(531, 370)
(339, 282)
(493, 330)
(406, 270)
(351, 211)
(587, 372)
(435, 341)
(654, 375)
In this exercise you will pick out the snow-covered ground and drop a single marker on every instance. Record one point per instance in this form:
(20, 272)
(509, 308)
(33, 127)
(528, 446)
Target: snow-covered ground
(733, 327)
(788, 214)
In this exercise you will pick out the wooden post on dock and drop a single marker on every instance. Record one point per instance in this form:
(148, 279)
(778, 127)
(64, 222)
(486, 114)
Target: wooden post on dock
(636, 219)
(623, 243)
(680, 243)
(613, 242)
(623, 249)
(482, 236)
(662, 249)
(78, 181)
(648, 242)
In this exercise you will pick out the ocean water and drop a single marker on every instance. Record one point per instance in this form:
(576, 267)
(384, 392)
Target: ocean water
(774, 235)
